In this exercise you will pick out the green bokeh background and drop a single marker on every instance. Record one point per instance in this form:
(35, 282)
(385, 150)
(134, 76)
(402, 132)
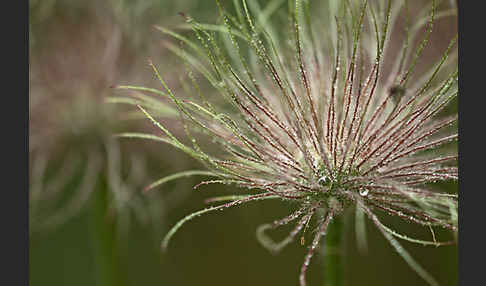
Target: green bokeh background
(216, 249)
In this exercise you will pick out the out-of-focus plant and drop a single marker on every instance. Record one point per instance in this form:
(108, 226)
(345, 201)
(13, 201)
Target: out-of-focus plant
(78, 49)
(77, 53)
(338, 113)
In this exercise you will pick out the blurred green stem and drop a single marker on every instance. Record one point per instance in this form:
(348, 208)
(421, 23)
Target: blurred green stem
(333, 268)
(103, 237)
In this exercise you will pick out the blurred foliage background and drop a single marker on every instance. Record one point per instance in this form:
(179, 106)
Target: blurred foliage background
(90, 223)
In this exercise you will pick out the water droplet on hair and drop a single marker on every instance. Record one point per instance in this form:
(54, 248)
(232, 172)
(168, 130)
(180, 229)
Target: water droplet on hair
(363, 192)
(397, 92)
(324, 180)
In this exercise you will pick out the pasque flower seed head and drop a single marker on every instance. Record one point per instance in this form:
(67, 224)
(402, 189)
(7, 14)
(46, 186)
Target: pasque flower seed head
(331, 115)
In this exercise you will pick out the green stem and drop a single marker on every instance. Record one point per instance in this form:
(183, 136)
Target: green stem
(103, 236)
(333, 270)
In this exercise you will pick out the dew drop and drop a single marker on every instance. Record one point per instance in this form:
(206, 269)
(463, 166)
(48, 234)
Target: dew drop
(324, 180)
(363, 192)
(397, 92)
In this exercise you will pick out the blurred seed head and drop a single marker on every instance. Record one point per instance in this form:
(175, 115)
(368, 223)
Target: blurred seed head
(77, 53)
